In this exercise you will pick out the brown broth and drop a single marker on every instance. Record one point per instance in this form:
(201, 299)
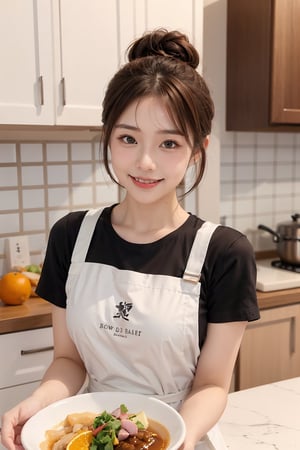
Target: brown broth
(161, 441)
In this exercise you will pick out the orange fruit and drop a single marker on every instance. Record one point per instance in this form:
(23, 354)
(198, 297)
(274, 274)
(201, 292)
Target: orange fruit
(81, 441)
(15, 288)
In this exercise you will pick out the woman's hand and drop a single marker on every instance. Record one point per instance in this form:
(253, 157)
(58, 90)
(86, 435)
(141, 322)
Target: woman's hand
(13, 421)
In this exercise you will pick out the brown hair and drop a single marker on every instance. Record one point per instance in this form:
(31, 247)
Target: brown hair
(162, 63)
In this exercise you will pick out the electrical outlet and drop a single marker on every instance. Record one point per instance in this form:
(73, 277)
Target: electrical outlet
(17, 252)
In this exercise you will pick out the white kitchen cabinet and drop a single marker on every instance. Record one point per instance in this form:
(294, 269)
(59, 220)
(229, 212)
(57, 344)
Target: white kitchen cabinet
(26, 75)
(136, 17)
(57, 56)
(85, 56)
(24, 356)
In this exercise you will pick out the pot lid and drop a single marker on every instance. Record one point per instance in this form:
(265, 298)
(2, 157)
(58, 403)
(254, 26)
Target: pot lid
(294, 223)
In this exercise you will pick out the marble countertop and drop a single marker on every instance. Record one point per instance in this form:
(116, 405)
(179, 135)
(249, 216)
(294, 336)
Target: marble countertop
(264, 418)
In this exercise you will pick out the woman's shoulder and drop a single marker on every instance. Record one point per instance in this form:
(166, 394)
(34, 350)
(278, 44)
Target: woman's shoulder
(227, 240)
(69, 222)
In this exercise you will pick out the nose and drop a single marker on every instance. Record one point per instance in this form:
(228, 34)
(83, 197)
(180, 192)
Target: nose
(145, 160)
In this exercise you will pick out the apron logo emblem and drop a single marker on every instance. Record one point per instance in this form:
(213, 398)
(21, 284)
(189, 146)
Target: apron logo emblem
(123, 310)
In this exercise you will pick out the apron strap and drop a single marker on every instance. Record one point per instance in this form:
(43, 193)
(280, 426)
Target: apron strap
(85, 235)
(198, 252)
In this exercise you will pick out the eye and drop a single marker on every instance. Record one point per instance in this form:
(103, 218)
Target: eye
(127, 139)
(169, 144)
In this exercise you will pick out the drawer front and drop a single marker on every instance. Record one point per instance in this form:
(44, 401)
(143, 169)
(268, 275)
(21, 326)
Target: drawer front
(10, 397)
(25, 356)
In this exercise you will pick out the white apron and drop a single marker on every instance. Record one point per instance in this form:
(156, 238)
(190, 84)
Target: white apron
(137, 332)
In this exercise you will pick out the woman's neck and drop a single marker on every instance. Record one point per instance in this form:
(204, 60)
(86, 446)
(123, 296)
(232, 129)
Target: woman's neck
(146, 223)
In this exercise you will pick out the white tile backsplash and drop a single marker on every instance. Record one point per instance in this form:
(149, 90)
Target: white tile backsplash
(285, 139)
(101, 175)
(33, 198)
(285, 154)
(264, 205)
(56, 214)
(41, 182)
(57, 152)
(106, 194)
(283, 187)
(57, 174)
(284, 204)
(265, 154)
(58, 197)
(284, 171)
(246, 154)
(33, 221)
(82, 196)
(265, 172)
(9, 199)
(244, 172)
(263, 188)
(7, 153)
(260, 183)
(9, 223)
(265, 140)
(263, 180)
(82, 173)
(31, 152)
(32, 175)
(8, 176)
(81, 151)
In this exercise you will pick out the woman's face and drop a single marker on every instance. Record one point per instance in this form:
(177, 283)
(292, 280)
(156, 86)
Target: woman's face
(149, 155)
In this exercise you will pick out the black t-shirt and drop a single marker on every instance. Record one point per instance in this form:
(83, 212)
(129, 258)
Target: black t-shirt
(228, 277)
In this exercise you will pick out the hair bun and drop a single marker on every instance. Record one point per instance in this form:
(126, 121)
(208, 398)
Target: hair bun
(161, 42)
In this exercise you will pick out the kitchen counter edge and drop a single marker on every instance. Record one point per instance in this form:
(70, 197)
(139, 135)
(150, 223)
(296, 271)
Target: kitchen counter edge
(36, 312)
(32, 314)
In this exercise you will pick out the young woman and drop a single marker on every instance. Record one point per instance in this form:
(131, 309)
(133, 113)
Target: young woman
(148, 298)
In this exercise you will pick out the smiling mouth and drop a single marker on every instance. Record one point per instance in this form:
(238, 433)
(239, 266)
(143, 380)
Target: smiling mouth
(145, 182)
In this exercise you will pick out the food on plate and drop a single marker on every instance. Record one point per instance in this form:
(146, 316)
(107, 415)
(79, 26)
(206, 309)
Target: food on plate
(15, 288)
(118, 430)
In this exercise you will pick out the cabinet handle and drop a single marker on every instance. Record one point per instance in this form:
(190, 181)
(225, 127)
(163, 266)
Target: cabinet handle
(37, 350)
(41, 84)
(293, 335)
(63, 91)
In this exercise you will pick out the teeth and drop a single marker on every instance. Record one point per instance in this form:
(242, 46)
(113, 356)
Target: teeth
(140, 180)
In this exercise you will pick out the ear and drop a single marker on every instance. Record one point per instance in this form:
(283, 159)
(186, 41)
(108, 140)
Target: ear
(206, 141)
(196, 156)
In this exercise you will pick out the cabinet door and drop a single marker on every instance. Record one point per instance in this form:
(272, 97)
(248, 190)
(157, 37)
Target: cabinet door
(270, 349)
(137, 17)
(26, 62)
(86, 56)
(285, 106)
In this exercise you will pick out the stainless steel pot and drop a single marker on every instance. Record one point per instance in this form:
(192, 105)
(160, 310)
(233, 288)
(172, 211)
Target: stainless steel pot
(287, 238)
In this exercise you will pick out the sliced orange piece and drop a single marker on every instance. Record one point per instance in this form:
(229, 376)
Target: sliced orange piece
(81, 441)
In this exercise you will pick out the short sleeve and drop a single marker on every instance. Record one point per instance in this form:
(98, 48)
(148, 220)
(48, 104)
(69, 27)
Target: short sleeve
(229, 278)
(57, 261)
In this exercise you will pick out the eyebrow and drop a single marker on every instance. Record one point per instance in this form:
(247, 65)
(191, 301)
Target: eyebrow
(134, 128)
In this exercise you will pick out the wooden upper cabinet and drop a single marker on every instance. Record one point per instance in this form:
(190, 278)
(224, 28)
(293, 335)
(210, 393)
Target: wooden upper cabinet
(263, 68)
(285, 99)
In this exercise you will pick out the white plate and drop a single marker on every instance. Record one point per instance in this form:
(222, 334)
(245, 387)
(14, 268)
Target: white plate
(33, 432)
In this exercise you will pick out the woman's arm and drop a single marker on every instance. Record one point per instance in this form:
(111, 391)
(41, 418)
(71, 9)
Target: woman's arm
(64, 377)
(207, 399)
(66, 374)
